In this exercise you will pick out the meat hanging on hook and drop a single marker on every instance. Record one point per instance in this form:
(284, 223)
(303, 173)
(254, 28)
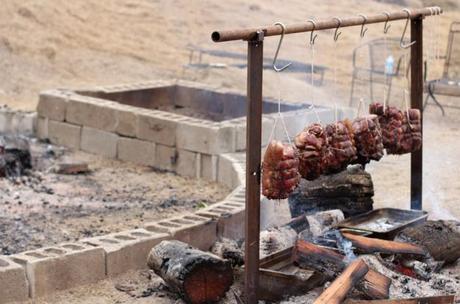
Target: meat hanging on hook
(401, 130)
(368, 140)
(280, 166)
(280, 170)
(311, 144)
(341, 150)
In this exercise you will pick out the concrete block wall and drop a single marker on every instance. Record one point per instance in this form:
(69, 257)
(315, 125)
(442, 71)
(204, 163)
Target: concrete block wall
(17, 122)
(198, 231)
(126, 250)
(14, 285)
(185, 145)
(60, 267)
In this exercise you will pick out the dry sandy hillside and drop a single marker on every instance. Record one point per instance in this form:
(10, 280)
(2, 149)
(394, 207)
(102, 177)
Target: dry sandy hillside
(50, 43)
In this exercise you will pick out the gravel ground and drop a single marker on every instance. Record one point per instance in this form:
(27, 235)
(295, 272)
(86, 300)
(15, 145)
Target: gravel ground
(44, 208)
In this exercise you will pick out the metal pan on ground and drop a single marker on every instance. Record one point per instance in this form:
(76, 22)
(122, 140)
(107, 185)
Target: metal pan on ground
(384, 223)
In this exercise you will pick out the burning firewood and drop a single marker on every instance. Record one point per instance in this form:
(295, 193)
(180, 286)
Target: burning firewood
(277, 238)
(280, 170)
(372, 245)
(199, 277)
(425, 300)
(329, 263)
(440, 238)
(339, 289)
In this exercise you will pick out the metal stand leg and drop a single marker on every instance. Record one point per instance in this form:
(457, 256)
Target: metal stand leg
(253, 151)
(417, 102)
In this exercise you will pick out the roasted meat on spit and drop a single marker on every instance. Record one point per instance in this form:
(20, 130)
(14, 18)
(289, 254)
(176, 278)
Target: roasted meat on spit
(340, 150)
(401, 131)
(280, 170)
(311, 144)
(367, 135)
(412, 140)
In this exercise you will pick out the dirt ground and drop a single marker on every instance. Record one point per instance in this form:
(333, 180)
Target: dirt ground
(45, 208)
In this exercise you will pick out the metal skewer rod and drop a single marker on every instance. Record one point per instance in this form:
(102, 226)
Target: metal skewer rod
(274, 30)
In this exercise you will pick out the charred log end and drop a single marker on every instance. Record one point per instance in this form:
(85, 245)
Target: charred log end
(208, 283)
(198, 276)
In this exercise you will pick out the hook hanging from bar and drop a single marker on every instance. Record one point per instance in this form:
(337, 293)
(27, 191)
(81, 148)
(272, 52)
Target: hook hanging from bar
(337, 33)
(363, 30)
(283, 30)
(401, 42)
(386, 26)
(312, 35)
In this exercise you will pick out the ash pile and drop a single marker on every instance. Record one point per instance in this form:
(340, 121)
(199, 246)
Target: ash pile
(15, 157)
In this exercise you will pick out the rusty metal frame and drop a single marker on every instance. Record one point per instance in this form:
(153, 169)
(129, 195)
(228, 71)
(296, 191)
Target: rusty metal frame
(255, 38)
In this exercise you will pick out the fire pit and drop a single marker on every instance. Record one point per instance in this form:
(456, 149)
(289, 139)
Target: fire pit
(175, 126)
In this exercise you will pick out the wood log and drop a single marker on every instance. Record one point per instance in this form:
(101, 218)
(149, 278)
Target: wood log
(440, 238)
(371, 245)
(425, 300)
(329, 263)
(339, 289)
(276, 285)
(278, 238)
(199, 277)
(350, 191)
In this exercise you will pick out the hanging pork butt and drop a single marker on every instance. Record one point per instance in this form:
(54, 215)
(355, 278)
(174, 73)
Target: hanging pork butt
(340, 151)
(401, 130)
(311, 144)
(368, 139)
(280, 170)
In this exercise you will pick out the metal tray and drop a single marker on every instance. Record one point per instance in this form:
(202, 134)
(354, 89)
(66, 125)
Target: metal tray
(385, 222)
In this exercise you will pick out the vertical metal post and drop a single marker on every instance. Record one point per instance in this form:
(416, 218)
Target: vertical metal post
(253, 155)
(417, 102)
